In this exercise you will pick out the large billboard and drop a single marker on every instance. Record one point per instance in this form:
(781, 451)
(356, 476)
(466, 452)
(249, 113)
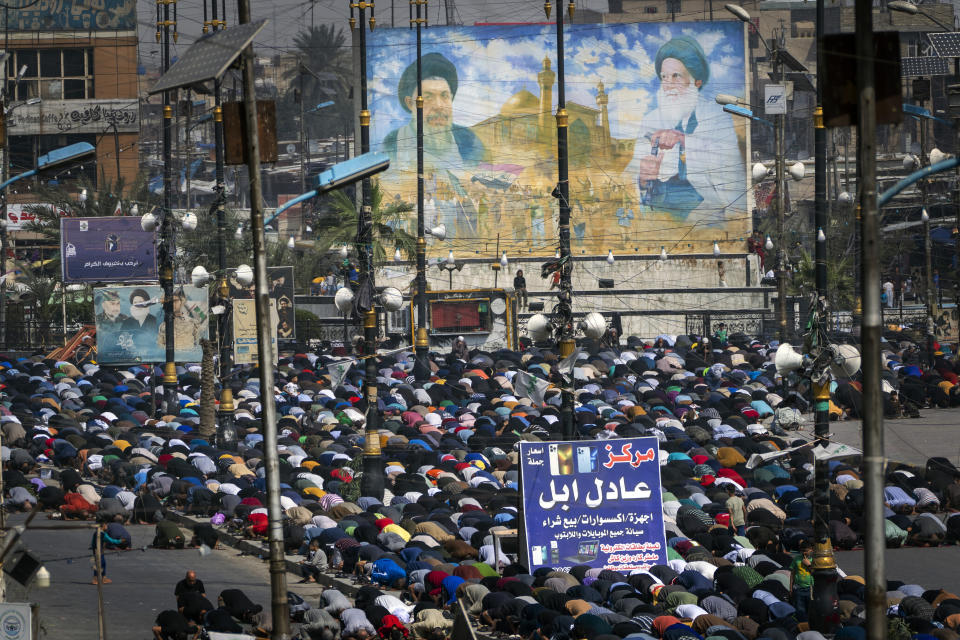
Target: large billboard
(131, 328)
(107, 249)
(653, 159)
(596, 503)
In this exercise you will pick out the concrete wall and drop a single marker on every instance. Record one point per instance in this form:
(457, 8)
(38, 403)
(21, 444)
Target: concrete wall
(651, 296)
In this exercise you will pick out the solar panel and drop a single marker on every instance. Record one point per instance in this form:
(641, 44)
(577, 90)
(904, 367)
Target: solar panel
(208, 57)
(789, 61)
(925, 66)
(947, 45)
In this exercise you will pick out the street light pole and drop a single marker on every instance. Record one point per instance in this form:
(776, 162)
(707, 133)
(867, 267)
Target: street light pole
(873, 455)
(780, 268)
(422, 341)
(372, 482)
(166, 229)
(562, 193)
(265, 353)
(781, 204)
(823, 612)
(220, 204)
(4, 238)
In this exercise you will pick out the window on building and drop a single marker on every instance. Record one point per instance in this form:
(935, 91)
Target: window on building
(673, 6)
(51, 74)
(650, 9)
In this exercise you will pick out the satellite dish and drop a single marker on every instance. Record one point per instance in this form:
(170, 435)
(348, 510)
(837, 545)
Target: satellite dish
(594, 324)
(344, 300)
(148, 222)
(538, 326)
(244, 275)
(797, 170)
(199, 277)
(846, 360)
(759, 172)
(787, 359)
(439, 232)
(390, 298)
(189, 222)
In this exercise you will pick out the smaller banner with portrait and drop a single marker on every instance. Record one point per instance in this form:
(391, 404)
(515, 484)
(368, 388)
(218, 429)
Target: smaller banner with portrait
(110, 249)
(245, 339)
(593, 503)
(131, 327)
(280, 283)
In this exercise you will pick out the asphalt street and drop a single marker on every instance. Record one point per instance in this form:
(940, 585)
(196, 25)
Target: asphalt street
(913, 440)
(931, 568)
(143, 582)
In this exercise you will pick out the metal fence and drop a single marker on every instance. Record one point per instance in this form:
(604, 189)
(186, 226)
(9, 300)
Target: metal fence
(27, 334)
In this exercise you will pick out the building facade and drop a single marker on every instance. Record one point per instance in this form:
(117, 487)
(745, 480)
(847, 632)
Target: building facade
(72, 77)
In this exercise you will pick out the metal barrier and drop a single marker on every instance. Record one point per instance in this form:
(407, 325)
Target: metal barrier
(31, 335)
(759, 324)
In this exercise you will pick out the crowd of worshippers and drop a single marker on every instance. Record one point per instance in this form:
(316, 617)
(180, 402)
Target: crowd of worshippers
(81, 443)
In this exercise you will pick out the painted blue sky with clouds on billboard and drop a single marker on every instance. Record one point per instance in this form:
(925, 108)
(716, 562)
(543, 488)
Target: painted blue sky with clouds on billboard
(495, 62)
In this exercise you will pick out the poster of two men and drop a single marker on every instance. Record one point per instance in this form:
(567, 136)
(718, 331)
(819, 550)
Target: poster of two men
(131, 328)
(649, 147)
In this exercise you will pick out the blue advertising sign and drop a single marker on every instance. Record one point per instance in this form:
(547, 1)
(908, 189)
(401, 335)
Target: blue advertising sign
(74, 15)
(131, 328)
(112, 249)
(596, 503)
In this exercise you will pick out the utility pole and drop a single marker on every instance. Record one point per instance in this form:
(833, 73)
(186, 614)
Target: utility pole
(4, 238)
(372, 482)
(303, 176)
(219, 204)
(166, 228)
(927, 248)
(823, 612)
(187, 146)
(422, 341)
(781, 201)
(562, 193)
(875, 543)
(280, 610)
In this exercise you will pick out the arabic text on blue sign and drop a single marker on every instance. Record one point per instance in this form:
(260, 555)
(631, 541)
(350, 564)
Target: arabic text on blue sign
(595, 503)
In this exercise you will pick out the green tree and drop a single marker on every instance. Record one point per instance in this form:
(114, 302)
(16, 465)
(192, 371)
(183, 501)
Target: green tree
(388, 222)
(99, 203)
(840, 282)
(324, 70)
(43, 294)
(42, 283)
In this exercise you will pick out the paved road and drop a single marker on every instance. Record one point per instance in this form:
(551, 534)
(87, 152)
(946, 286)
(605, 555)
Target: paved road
(935, 433)
(143, 582)
(931, 568)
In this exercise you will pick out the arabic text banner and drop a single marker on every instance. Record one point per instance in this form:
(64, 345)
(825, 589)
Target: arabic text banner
(593, 503)
(131, 328)
(112, 249)
(653, 159)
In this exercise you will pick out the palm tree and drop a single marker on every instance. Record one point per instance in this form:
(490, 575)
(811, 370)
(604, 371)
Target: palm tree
(388, 224)
(99, 202)
(325, 71)
(839, 279)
